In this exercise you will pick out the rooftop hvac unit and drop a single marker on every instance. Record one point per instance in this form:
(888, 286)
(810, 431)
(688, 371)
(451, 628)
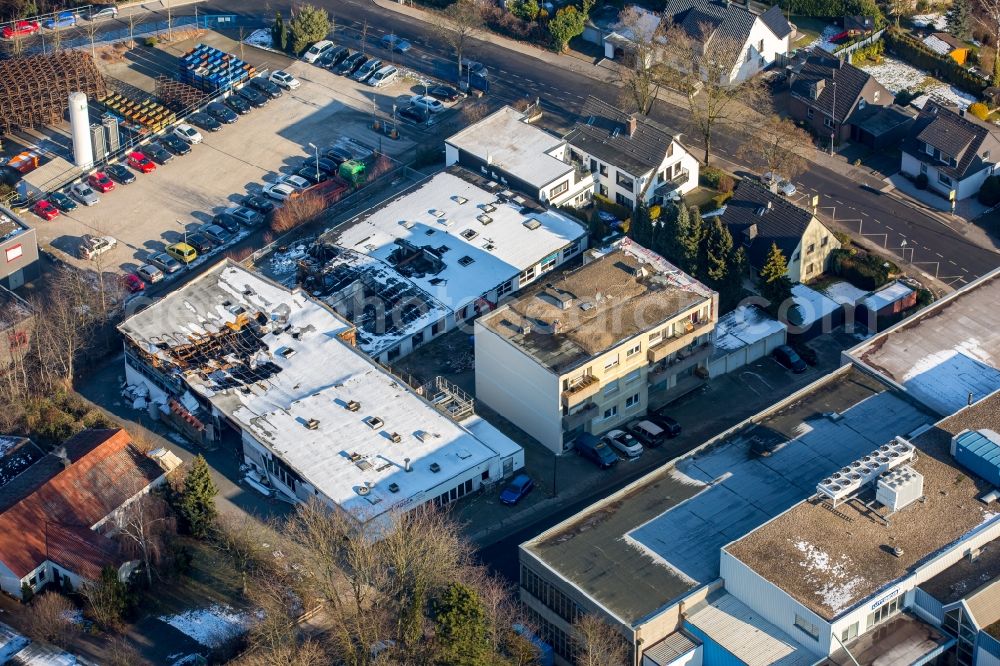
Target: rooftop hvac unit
(844, 483)
(353, 406)
(979, 451)
(900, 487)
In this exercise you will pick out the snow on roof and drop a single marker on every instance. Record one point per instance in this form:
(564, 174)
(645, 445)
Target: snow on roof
(10, 225)
(937, 45)
(482, 240)
(812, 305)
(522, 150)
(301, 406)
(844, 293)
(744, 326)
(887, 295)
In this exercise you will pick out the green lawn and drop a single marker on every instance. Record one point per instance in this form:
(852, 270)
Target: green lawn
(700, 197)
(810, 28)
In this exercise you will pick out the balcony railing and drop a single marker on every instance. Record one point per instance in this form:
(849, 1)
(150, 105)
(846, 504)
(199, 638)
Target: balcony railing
(571, 421)
(683, 361)
(583, 389)
(669, 345)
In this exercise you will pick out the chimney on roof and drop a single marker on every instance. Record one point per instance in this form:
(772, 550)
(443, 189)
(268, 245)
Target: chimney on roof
(751, 231)
(406, 465)
(633, 124)
(961, 112)
(61, 454)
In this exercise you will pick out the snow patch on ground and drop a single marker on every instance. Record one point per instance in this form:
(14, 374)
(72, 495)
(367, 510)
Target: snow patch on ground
(844, 293)
(211, 626)
(834, 584)
(824, 42)
(936, 21)
(897, 75)
(261, 38)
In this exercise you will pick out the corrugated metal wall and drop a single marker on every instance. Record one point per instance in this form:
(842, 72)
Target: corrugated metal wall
(929, 604)
(987, 650)
(712, 653)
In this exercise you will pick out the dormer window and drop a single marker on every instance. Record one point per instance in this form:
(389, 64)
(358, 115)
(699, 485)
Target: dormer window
(929, 149)
(862, 104)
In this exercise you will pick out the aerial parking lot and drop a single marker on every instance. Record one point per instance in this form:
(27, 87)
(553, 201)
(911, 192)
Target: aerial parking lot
(156, 208)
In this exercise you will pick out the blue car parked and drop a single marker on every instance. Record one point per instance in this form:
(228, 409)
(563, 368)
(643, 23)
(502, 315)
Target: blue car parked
(520, 486)
(61, 20)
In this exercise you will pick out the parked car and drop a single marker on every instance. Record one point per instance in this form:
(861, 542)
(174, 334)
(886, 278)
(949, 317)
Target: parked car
(517, 489)
(45, 210)
(351, 63)
(594, 450)
(445, 93)
(121, 173)
(221, 113)
(366, 70)
(624, 443)
(182, 252)
(139, 161)
(280, 191)
(245, 216)
(427, 103)
(383, 77)
(338, 154)
(238, 104)
(787, 357)
(132, 283)
(85, 194)
(285, 80)
(254, 97)
(102, 12)
(158, 153)
(787, 187)
(216, 234)
(259, 203)
(149, 273)
(199, 242)
(190, 134)
(20, 29)
(474, 68)
(333, 58)
(266, 87)
(100, 182)
(227, 222)
(175, 144)
(93, 246)
(395, 43)
(165, 263)
(327, 166)
(670, 426)
(61, 20)
(414, 115)
(62, 202)
(783, 185)
(318, 50)
(648, 433)
(298, 182)
(310, 173)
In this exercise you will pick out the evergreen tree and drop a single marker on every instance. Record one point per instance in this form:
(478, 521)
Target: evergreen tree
(775, 286)
(718, 248)
(595, 226)
(462, 627)
(279, 33)
(641, 227)
(691, 231)
(731, 289)
(959, 18)
(27, 594)
(197, 500)
(309, 25)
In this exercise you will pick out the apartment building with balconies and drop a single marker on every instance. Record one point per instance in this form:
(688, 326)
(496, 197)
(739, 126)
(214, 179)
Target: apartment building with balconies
(587, 351)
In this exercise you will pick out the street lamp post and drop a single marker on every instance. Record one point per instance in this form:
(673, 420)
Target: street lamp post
(316, 149)
(184, 227)
(833, 115)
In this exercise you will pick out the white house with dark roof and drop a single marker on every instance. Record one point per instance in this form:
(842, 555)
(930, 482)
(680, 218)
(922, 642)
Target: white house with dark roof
(631, 158)
(955, 150)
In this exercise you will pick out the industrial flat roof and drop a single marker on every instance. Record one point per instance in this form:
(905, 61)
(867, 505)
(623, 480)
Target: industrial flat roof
(967, 576)
(585, 312)
(10, 225)
(643, 548)
(831, 561)
(946, 351)
(522, 150)
(464, 240)
(282, 373)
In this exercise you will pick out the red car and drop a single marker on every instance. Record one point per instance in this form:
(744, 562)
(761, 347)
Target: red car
(45, 210)
(101, 182)
(20, 29)
(132, 283)
(139, 161)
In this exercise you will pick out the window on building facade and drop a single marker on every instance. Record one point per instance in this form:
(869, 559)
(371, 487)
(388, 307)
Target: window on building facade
(632, 401)
(810, 113)
(811, 248)
(610, 388)
(884, 613)
(624, 181)
(559, 189)
(808, 627)
(437, 327)
(923, 168)
(505, 288)
(849, 633)
(943, 179)
(549, 263)
(604, 170)
(527, 275)
(875, 96)
(611, 362)
(610, 413)
(632, 377)
(602, 190)
(629, 353)
(823, 241)
(623, 200)
(828, 122)
(861, 104)
(655, 337)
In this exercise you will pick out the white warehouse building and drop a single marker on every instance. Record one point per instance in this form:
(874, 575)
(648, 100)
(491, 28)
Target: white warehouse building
(232, 351)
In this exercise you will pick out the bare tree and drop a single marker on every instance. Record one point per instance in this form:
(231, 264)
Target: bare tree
(599, 644)
(121, 652)
(64, 326)
(640, 78)
(991, 12)
(49, 618)
(701, 67)
(91, 28)
(776, 145)
(306, 653)
(474, 111)
(131, 18)
(463, 21)
(143, 526)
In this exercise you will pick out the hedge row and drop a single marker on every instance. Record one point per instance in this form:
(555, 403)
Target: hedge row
(865, 271)
(918, 54)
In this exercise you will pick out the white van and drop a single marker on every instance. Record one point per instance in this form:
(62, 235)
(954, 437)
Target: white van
(383, 77)
(318, 50)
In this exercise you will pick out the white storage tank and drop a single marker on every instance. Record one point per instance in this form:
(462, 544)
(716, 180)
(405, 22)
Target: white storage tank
(79, 122)
(900, 487)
